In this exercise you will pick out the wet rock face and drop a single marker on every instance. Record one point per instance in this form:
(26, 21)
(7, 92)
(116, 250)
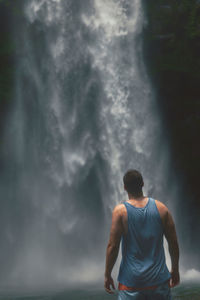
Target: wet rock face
(171, 49)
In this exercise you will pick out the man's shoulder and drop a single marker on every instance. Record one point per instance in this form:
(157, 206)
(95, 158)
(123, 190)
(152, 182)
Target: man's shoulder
(119, 209)
(162, 208)
(161, 204)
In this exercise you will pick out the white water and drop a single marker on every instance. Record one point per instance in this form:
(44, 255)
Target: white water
(130, 128)
(84, 113)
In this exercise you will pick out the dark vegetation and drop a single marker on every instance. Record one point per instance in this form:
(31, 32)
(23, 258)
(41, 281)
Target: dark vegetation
(10, 15)
(172, 53)
(6, 61)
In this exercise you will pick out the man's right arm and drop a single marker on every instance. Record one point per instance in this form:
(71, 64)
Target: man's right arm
(170, 234)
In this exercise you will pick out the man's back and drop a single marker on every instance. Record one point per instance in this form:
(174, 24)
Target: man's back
(141, 223)
(143, 259)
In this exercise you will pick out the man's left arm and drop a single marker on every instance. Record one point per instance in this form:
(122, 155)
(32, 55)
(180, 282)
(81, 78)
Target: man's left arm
(113, 247)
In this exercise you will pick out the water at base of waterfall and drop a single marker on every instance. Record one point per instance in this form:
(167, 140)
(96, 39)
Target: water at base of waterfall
(188, 291)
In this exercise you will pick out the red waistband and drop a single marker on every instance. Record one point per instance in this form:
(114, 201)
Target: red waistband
(128, 288)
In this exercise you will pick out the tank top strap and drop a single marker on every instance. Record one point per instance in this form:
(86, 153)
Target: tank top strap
(151, 203)
(154, 209)
(125, 203)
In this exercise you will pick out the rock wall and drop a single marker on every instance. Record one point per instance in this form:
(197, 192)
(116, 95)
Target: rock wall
(171, 50)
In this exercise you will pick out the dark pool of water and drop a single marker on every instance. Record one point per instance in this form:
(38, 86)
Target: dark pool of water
(183, 292)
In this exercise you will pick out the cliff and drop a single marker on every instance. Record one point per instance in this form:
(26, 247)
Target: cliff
(172, 54)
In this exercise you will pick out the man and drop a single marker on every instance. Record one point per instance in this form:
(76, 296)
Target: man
(140, 222)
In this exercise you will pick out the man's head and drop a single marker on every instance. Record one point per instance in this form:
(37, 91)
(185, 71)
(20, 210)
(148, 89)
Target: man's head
(133, 182)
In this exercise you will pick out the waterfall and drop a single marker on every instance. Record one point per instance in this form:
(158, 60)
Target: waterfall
(83, 113)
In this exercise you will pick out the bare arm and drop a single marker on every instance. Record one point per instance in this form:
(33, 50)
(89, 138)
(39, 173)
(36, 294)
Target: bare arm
(113, 247)
(170, 234)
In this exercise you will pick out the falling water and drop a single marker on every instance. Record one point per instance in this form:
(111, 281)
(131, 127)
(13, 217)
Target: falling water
(83, 113)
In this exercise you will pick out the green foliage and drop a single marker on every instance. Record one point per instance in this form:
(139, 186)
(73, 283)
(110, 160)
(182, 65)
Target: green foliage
(15, 6)
(7, 52)
(177, 25)
(173, 47)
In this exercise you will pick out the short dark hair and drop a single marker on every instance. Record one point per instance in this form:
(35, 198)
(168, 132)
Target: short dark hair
(133, 182)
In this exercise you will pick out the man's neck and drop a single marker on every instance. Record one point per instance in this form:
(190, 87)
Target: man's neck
(136, 197)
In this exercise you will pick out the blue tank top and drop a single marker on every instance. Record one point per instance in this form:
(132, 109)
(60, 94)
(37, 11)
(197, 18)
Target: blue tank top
(143, 259)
